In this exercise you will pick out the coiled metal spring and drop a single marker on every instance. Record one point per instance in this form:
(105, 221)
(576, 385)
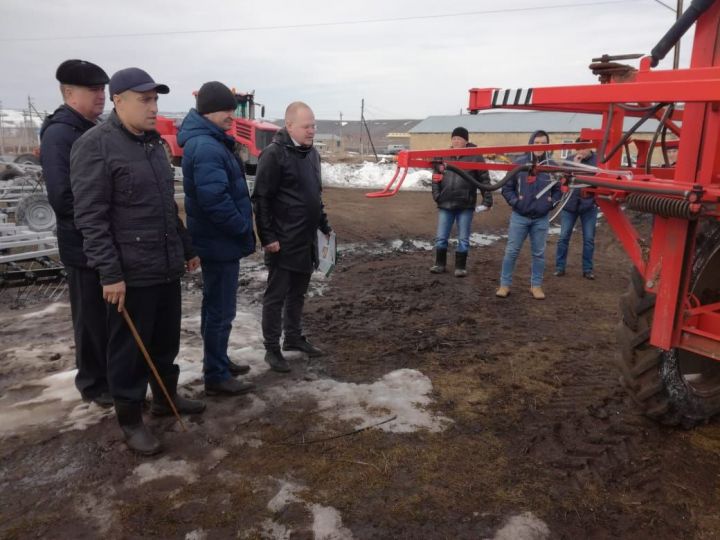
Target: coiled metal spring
(662, 206)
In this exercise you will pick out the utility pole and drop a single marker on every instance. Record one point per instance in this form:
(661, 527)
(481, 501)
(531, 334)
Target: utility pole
(2, 132)
(342, 146)
(676, 57)
(362, 120)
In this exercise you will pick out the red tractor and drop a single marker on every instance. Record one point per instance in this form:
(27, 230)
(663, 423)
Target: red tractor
(251, 134)
(669, 331)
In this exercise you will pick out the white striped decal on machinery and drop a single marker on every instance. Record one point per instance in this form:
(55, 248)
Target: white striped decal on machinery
(512, 96)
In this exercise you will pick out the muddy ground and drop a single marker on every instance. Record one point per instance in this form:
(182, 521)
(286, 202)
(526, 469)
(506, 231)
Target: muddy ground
(532, 436)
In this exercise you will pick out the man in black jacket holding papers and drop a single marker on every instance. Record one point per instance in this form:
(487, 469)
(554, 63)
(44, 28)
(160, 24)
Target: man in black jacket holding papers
(288, 211)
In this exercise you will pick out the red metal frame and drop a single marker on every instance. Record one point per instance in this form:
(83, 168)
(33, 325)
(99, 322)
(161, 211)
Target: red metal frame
(666, 263)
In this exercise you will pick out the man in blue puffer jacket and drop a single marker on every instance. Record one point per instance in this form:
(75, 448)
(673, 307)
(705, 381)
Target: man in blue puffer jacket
(580, 206)
(220, 221)
(529, 218)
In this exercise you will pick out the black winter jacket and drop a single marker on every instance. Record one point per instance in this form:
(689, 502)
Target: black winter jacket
(57, 135)
(288, 203)
(453, 192)
(125, 206)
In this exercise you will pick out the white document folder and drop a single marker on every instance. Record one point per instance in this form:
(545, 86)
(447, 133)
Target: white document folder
(327, 252)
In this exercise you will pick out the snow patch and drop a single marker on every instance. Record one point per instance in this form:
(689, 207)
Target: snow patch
(402, 393)
(327, 523)
(285, 495)
(58, 404)
(478, 239)
(48, 310)
(372, 175)
(523, 527)
(163, 467)
(197, 534)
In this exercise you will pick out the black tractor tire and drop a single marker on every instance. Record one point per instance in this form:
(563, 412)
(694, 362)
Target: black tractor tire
(674, 387)
(27, 159)
(9, 174)
(35, 212)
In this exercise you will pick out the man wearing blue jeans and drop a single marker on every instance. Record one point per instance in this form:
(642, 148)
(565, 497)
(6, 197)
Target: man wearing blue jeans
(531, 199)
(220, 221)
(456, 199)
(580, 206)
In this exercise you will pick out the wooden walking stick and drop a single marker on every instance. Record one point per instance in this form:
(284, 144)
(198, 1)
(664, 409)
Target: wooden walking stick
(150, 363)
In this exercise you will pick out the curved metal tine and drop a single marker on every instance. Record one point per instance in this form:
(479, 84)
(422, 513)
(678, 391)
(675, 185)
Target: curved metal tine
(385, 192)
(559, 207)
(400, 182)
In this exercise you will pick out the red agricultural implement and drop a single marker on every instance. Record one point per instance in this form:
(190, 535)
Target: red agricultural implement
(669, 334)
(252, 134)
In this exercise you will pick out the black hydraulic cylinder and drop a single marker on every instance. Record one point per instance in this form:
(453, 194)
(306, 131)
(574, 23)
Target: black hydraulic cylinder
(677, 30)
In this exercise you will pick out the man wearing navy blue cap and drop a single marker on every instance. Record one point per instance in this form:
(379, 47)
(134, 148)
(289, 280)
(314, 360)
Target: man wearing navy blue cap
(82, 85)
(133, 236)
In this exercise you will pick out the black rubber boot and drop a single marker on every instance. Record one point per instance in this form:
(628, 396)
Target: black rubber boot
(137, 436)
(303, 345)
(277, 361)
(237, 369)
(229, 387)
(440, 261)
(460, 264)
(160, 406)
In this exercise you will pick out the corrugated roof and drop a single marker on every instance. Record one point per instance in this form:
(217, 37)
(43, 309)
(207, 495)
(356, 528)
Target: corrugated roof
(520, 122)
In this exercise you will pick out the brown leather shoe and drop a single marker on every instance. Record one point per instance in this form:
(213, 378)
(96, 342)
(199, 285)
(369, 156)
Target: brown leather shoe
(503, 292)
(537, 293)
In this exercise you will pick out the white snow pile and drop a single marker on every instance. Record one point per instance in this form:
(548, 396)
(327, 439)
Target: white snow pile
(378, 175)
(525, 526)
(57, 404)
(372, 175)
(48, 310)
(327, 521)
(402, 393)
(162, 468)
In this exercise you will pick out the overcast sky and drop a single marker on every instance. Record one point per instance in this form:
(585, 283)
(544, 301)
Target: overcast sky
(288, 50)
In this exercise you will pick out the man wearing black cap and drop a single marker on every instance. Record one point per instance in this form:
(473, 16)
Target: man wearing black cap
(82, 85)
(133, 236)
(219, 216)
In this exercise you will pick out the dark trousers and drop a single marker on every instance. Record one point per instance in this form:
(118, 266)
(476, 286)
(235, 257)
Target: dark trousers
(220, 282)
(89, 326)
(156, 312)
(282, 305)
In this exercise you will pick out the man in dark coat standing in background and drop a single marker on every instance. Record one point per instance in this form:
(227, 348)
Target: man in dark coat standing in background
(220, 222)
(288, 212)
(82, 85)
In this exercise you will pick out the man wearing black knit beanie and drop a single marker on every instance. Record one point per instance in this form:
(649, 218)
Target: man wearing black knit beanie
(220, 222)
(456, 199)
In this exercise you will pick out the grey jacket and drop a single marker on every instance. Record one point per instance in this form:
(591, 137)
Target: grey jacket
(123, 187)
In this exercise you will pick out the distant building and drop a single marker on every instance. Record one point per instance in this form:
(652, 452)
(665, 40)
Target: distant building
(382, 133)
(327, 142)
(506, 128)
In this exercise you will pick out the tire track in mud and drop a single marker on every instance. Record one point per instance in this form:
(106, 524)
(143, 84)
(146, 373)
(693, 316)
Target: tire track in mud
(588, 434)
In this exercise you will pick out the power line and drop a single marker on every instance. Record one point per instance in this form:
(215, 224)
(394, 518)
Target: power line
(320, 24)
(665, 5)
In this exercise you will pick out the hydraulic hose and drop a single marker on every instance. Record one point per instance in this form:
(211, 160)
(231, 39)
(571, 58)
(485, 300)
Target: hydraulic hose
(488, 187)
(677, 30)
